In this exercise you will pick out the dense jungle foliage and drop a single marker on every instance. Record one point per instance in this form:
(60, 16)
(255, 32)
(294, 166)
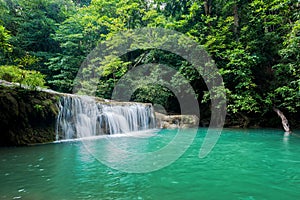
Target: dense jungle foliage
(255, 45)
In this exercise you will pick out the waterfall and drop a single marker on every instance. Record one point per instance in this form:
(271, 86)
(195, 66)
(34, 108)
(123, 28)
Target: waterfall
(81, 116)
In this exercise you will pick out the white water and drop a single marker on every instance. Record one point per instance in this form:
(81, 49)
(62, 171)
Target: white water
(82, 117)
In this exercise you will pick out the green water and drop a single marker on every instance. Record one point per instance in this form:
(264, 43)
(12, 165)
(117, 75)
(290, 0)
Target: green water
(245, 164)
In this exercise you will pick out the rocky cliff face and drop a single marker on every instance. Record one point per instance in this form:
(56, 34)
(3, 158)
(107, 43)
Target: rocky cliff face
(26, 117)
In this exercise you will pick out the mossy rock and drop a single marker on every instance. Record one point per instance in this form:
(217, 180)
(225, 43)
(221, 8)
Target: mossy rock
(26, 116)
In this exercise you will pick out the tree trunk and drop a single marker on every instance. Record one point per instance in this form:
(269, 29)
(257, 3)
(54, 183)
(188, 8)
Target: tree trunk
(236, 18)
(284, 121)
(207, 7)
(246, 120)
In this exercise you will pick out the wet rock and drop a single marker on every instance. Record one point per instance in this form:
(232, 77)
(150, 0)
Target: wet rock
(26, 116)
(176, 121)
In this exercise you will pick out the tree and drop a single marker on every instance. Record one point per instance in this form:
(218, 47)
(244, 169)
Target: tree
(5, 47)
(286, 92)
(30, 24)
(78, 36)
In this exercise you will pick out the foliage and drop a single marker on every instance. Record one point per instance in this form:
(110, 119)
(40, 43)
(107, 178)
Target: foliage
(255, 45)
(31, 79)
(287, 85)
(30, 25)
(4, 40)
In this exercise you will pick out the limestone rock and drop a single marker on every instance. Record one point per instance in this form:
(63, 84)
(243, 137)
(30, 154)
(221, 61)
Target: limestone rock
(176, 121)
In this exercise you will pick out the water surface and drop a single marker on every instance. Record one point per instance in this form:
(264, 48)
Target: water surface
(245, 164)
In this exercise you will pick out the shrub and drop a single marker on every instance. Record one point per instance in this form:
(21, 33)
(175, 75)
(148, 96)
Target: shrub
(29, 78)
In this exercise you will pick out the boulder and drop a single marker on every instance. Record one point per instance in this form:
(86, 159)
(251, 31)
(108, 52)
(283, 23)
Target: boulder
(176, 121)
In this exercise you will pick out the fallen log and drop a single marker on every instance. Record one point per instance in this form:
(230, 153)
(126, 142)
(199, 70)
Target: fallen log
(284, 120)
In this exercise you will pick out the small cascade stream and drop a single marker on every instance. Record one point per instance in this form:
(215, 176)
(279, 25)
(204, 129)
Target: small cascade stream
(82, 116)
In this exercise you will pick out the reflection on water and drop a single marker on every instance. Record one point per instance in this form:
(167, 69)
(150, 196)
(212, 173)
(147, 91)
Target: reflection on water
(286, 138)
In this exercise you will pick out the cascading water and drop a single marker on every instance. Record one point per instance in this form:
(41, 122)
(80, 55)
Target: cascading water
(81, 116)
